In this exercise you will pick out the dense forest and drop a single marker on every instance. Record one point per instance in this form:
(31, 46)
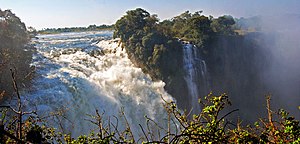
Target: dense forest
(229, 47)
(156, 47)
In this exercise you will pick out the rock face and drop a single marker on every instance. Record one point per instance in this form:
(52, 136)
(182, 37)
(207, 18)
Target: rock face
(231, 64)
(192, 81)
(237, 65)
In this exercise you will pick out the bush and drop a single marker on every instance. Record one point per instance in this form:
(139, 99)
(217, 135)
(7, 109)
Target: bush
(206, 127)
(15, 52)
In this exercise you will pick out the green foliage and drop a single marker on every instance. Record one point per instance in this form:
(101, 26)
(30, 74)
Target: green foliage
(209, 126)
(15, 53)
(190, 27)
(283, 129)
(223, 25)
(155, 46)
(146, 46)
(205, 127)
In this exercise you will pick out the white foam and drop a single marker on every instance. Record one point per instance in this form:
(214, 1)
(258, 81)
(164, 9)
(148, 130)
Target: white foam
(80, 83)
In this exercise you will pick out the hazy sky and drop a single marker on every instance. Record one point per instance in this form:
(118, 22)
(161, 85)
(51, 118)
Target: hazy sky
(67, 13)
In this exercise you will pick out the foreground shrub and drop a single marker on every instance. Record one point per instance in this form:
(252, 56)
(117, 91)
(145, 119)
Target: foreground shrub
(206, 127)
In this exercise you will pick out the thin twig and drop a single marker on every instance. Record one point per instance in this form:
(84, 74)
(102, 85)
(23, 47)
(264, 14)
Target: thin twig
(144, 132)
(16, 89)
(227, 115)
(127, 124)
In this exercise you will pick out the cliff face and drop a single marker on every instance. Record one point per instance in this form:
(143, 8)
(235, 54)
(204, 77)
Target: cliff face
(234, 64)
(237, 65)
(236, 61)
(192, 79)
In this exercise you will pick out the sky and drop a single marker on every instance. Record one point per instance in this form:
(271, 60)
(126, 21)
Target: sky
(72, 13)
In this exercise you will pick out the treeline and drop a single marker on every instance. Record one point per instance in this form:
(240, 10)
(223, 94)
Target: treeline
(15, 52)
(76, 29)
(152, 44)
(156, 46)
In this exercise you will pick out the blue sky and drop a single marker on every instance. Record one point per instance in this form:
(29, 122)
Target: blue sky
(68, 13)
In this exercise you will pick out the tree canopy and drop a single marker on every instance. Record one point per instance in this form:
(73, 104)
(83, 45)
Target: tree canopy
(154, 46)
(146, 46)
(14, 53)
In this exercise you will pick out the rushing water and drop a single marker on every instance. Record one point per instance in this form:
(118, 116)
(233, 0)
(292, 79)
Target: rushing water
(196, 75)
(77, 73)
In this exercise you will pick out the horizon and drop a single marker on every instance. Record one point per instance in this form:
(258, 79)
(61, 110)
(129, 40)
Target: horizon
(75, 13)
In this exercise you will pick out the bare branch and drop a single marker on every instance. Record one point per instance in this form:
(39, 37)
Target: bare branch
(144, 132)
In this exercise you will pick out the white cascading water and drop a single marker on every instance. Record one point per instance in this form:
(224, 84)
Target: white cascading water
(193, 64)
(77, 73)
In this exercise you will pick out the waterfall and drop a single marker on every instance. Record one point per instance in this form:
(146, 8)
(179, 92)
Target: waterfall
(196, 76)
(77, 73)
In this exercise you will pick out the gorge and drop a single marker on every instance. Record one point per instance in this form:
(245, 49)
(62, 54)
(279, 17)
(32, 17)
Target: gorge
(142, 70)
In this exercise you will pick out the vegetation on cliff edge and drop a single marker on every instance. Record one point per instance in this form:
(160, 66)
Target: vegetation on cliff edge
(15, 52)
(155, 47)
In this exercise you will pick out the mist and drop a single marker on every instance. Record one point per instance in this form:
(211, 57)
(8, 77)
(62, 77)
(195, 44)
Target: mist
(282, 77)
(265, 61)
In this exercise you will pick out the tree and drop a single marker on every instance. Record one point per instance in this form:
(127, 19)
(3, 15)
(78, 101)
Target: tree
(134, 22)
(200, 30)
(13, 39)
(92, 27)
(223, 25)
